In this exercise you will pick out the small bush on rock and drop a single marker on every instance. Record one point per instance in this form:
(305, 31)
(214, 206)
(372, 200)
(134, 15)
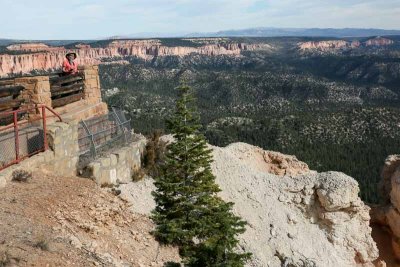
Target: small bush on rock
(42, 244)
(21, 176)
(138, 175)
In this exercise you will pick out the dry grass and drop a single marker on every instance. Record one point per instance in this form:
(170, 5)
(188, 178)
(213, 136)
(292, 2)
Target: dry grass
(5, 259)
(138, 175)
(21, 176)
(42, 243)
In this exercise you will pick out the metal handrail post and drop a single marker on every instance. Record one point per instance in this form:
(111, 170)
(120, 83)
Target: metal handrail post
(93, 147)
(16, 135)
(46, 145)
(120, 124)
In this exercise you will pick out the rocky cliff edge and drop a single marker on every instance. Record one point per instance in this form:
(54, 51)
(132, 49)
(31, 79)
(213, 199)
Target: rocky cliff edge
(296, 217)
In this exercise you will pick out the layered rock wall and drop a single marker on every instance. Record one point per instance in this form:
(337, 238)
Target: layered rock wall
(342, 44)
(324, 45)
(379, 41)
(53, 58)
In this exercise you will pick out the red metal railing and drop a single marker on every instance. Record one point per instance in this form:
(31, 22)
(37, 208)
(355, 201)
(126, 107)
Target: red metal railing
(12, 132)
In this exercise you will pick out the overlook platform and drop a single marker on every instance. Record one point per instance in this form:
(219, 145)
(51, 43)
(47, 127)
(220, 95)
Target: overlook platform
(74, 97)
(76, 136)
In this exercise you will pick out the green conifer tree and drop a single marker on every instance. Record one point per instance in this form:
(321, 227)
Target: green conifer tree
(188, 211)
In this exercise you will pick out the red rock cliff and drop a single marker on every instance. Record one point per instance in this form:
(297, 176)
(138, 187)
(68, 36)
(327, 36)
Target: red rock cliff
(379, 41)
(52, 58)
(342, 44)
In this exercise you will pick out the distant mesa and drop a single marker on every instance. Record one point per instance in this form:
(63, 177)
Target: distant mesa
(33, 47)
(324, 45)
(342, 44)
(83, 46)
(379, 41)
(41, 47)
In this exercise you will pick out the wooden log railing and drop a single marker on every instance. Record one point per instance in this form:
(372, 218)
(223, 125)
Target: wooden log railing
(66, 89)
(59, 81)
(67, 100)
(6, 82)
(9, 95)
(13, 91)
(10, 104)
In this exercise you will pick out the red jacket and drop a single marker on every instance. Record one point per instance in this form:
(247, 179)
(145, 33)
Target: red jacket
(70, 68)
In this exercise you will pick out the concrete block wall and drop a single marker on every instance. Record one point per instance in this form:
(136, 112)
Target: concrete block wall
(117, 167)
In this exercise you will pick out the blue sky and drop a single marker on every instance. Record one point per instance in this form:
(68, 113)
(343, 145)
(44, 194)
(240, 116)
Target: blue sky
(86, 19)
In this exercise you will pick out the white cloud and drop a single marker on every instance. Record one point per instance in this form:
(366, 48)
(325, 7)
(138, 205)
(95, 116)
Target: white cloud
(98, 18)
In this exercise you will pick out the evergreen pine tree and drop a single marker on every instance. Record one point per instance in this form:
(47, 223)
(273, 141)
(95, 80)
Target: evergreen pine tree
(188, 211)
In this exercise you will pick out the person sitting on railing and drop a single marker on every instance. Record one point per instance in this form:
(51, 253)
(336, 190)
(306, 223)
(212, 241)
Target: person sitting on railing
(70, 66)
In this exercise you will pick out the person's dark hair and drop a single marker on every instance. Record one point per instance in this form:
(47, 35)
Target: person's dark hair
(71, 53)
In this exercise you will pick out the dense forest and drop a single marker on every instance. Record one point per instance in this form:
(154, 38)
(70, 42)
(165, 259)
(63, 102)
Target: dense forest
(335, 112)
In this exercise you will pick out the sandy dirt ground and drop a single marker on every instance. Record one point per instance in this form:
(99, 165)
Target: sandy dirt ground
(70, 221)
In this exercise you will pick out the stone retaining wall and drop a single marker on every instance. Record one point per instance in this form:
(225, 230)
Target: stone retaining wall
(117, 167)
(63, 156)
(31, 164)
(63, 141)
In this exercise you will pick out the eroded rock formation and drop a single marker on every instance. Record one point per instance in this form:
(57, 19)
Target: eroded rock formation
(342, 44)
(51, 58)
(309, 219)
(324, 45)
(268, 161)
(379, 41)
(388, 214)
